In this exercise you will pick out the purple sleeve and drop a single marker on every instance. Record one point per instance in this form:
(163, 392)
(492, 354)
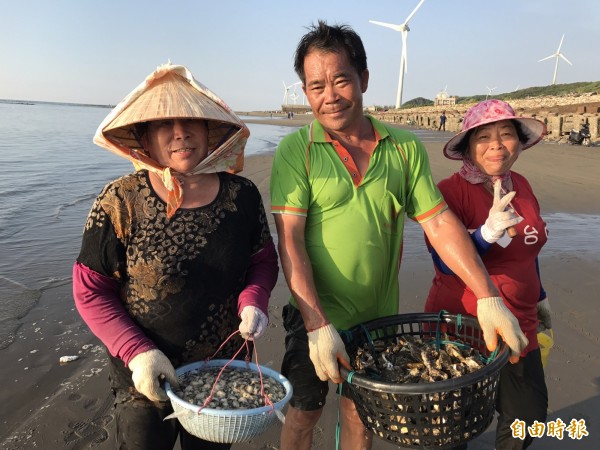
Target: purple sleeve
(260, 279)
(99, 304)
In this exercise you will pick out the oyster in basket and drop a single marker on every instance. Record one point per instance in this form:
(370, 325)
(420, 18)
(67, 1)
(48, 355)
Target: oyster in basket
(410, 359)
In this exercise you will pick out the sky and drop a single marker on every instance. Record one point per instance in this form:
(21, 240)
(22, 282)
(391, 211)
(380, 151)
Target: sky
(96, 52)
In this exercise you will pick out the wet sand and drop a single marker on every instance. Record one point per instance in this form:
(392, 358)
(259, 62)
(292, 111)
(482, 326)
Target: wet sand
(52, 406)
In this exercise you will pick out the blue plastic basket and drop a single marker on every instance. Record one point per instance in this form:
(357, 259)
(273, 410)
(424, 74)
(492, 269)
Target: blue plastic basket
(224, 425)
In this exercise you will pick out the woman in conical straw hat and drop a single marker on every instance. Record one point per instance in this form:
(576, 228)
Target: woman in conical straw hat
(499, 208)
(177, 256)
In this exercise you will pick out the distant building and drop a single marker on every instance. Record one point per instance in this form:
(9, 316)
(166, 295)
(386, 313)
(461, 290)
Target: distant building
(443, 99)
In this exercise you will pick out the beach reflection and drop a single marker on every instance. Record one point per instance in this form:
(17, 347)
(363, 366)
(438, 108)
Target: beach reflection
(574, 234)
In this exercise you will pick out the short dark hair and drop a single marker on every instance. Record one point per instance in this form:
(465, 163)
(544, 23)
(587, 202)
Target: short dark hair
(334, 39)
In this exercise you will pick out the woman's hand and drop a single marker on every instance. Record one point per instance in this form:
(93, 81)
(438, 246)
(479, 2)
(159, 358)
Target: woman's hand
(147, 370)
(499, 219)
(254, 322)
(544, 315)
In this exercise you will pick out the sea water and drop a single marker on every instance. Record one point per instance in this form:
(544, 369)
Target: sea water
(51, 172)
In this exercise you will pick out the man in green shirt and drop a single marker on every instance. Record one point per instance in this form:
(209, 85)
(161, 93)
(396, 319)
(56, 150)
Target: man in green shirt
(340, 189)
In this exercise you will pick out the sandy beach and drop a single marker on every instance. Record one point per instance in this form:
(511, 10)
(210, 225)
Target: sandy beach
(49, 405)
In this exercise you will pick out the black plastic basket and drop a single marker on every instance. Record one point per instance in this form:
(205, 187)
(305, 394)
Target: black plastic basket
(437, 415)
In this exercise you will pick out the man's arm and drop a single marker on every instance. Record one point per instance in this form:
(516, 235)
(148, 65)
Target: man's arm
(452, 243)
(450, 239)
(325, 346)
(298, 270)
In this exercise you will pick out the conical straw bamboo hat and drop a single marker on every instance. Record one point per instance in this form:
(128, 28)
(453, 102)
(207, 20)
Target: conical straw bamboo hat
(171, 92)
(172, 97)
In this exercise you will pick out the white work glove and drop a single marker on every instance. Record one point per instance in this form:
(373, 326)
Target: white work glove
(495, 318)
(148, 368)
(326, 349)
(544, 315)
(254, 322)
(498, 219)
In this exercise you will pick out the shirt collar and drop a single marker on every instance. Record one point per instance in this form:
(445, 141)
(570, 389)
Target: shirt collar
(318, 133)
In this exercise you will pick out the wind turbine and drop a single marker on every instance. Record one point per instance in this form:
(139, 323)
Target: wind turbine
(556, 55)
(286, 90)
(490, 91)
(294, 97)
(402, 28)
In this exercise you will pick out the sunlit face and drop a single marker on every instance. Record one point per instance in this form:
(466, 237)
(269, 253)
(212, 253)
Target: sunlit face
(180, 144)
(334, 89)
(495, 147)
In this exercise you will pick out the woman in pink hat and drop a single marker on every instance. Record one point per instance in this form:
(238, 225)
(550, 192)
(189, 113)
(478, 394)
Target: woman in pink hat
(175, 257)
(500, 211)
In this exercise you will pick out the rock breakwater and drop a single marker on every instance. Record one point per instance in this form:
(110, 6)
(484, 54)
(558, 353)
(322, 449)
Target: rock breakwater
(560, 113)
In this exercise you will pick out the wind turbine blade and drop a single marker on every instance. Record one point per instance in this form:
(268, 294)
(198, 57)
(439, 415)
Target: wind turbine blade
(413, 13)
(547, 57)
(560, 45)
(387, 25)
(562, 56)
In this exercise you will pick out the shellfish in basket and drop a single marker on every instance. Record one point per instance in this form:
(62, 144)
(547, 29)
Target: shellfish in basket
(411, 359)
(244, 401)
(229, 388)
(423, 380)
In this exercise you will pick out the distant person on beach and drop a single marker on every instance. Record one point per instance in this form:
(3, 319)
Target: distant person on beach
(340, 188)
(176, 257)
(442, 126)
(491, 201)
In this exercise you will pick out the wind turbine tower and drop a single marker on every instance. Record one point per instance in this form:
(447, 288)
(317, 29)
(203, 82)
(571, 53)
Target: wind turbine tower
(556, 55)
(286, 90)
(489, 91)
(402, 28)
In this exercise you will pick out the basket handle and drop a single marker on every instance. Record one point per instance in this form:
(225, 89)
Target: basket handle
(437, 327)
(266, 398)
(244, 344)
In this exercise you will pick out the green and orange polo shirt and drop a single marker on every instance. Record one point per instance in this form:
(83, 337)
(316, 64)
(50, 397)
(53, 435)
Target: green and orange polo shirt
(354, 225)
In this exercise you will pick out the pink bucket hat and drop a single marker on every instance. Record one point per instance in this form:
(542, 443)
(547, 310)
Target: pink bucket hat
(489, 111)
